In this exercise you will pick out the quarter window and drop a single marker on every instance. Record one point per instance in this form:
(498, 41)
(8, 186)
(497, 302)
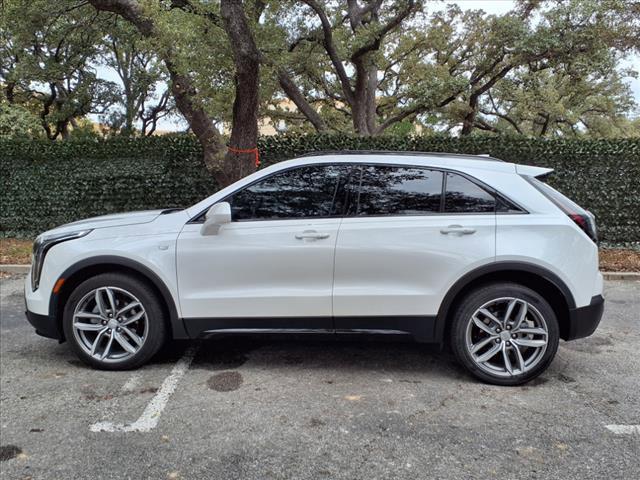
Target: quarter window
(464, 196)
(306, 192)
(386, 190)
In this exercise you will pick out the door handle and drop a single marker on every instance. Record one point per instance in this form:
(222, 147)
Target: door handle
(312, 234)
(457, 230)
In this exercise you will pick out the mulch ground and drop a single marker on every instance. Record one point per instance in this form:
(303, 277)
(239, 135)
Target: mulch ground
(619, 260)
(15, 251)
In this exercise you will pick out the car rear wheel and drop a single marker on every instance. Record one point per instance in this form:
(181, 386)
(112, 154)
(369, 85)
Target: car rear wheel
(114, 321)
(504, 333)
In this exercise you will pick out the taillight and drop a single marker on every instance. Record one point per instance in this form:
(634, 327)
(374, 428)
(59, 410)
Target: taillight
(587, 222)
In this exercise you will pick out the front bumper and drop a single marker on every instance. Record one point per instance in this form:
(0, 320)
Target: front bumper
(44, 325)
(583, 321)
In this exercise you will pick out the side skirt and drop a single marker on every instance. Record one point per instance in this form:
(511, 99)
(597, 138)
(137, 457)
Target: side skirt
(419, 328)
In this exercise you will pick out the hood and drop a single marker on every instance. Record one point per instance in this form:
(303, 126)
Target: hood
(112, 220)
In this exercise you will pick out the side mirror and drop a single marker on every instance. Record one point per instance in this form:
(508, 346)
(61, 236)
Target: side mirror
(216, 216)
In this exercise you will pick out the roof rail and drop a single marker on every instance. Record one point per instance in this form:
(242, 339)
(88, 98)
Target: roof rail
(482, 156)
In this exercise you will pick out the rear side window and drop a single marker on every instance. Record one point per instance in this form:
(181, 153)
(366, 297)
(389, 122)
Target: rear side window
(305, 192)
(387, 190)
(464, 196)
(566, 204)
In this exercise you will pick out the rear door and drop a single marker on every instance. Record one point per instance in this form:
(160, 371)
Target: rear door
(404, 242)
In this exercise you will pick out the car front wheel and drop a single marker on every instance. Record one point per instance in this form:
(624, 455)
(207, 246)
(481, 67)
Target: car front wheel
(114, 321)
(505, 333)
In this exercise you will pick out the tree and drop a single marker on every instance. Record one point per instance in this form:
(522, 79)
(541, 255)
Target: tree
(362, 66)
(341, 75)
(437, 68)
(564, 102)
(46, 53)
(571, 44)
(142, 75)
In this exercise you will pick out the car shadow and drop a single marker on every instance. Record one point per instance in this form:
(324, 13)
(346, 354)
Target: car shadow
(342, 355)
(289, 352)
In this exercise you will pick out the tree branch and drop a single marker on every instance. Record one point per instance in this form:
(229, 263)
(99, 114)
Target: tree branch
(294, 94)
(374, 44)
(399, 117)
(187, 6)
(496, 113)
(129, 10)
(331, 50)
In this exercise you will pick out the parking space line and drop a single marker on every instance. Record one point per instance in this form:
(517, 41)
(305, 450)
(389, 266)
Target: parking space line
(132, 383)
(624, 429)
(151, 414)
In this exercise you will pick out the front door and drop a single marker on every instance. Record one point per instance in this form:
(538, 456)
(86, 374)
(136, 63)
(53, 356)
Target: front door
(272, 266)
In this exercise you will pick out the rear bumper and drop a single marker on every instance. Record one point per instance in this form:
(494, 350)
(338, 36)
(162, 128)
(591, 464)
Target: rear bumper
(44, 325)
(583, 321)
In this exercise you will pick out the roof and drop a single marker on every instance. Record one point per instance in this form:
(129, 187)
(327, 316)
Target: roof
(482, 156)
(427, 159)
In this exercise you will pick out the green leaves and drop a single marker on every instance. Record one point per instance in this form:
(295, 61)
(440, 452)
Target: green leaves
(45, 184)
(18, 122)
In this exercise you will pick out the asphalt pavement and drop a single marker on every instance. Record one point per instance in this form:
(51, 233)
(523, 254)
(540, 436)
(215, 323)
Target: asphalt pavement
(298, 409)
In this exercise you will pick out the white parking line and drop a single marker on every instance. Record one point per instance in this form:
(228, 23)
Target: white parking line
(132, 383)
(624, 429)
(151, 414)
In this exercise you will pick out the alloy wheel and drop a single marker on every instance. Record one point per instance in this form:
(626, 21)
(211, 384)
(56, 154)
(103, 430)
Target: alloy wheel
(110, 324)
(507, 337)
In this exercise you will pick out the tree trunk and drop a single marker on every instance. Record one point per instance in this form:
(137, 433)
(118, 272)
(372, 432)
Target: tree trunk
(370, 98)
(545, 124)
(200, 123)
(244, 132)
(364, 103)
(470, 119)
(9, 91)
(130, 113)
(361, 97)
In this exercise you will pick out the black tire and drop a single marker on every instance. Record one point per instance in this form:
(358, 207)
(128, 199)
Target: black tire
(156, 330)
(462, 318)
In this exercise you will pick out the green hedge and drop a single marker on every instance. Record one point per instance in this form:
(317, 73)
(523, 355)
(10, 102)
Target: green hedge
(45, 184)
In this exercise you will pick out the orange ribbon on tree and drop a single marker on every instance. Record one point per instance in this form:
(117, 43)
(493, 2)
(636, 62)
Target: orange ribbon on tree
(247, 150)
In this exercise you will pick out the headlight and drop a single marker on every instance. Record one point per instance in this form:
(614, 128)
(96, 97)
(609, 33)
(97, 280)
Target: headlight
(40, 248)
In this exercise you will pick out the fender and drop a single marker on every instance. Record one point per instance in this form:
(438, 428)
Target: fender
(177, 326)
(497, 267)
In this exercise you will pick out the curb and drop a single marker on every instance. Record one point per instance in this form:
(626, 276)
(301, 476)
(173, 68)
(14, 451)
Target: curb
(628, 276)
(625, 276)
(15, 268)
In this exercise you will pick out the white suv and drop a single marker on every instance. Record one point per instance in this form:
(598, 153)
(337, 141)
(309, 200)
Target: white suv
(441, 248)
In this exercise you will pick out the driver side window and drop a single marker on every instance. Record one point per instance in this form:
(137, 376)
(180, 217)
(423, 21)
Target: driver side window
(307, 192)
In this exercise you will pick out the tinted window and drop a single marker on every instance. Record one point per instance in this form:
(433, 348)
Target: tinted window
(298, 193)
(388, 190)
(506, 206)
(464, 196)
(565, 203)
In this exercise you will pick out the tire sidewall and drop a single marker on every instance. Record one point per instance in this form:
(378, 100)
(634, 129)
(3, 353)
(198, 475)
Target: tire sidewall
(479, 297)
(156, 330)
